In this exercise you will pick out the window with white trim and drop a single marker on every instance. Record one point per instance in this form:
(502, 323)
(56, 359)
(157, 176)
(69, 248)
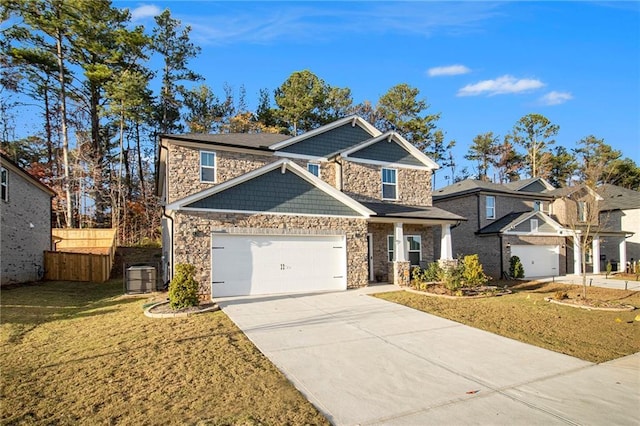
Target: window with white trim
(534, 225)
(537, 206)
(490, 207)
(582, 211)
(412, 248)
(389, 184)
(314, 169)
(4, 184)
(207, 166)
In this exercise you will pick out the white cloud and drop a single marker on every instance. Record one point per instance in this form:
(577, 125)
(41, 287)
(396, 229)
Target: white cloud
(448, 70)
(145, 11)
(555, 98)
(507, 84)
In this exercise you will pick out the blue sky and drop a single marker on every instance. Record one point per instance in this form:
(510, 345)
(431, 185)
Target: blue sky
(482, 65)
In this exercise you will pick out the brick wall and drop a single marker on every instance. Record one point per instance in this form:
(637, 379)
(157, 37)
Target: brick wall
(192, 239)
(26, 230)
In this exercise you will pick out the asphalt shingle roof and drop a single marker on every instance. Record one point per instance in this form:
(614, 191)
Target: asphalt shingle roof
(410, 212)
(241, 140)
(617, 197)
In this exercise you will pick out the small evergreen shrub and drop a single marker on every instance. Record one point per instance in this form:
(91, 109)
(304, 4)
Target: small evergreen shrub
(516, 270)
(452, 276)
(472, 272)
(183, 288)
(433, 272)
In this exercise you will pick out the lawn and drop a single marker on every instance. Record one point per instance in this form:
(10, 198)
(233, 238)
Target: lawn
(595, 336)
(82, 353)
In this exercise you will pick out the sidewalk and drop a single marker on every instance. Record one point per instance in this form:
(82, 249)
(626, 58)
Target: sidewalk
(595, 281)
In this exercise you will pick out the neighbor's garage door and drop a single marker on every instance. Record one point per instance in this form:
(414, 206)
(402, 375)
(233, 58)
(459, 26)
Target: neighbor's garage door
(270, 264)
(538, 261)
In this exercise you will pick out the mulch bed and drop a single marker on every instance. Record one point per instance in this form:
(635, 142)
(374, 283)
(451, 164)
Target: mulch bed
(438, 289)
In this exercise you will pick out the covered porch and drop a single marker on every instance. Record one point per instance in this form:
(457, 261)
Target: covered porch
(401, 237)
(602, 248)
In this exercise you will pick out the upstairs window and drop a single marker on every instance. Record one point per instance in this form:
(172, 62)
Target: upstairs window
(314, 169)
(491, 207)
(207, 166)
(4, 184)
(534, 225)
(537, 206)
(389, 184)
(582, 211)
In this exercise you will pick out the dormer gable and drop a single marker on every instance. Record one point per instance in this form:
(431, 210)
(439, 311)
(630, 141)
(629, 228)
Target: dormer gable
(328, 140)
(389, 150)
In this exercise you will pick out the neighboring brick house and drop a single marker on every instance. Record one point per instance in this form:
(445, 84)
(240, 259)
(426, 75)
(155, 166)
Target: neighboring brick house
(25, 212)
(531, 219)
(620, 211)
(334, 208)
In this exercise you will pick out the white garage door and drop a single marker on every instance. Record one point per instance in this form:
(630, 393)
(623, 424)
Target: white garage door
(538, 261)
(271, 264)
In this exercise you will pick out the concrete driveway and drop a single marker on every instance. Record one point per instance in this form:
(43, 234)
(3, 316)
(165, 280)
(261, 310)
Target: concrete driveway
(362, 360)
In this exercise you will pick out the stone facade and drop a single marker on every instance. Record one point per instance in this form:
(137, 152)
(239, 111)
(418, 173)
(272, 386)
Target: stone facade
(183, 168)
(25, 229)
(363, 182)
(400, 273)
(192, 239)
(380, 233)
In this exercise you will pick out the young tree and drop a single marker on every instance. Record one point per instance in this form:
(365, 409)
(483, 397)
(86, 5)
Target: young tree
(298, 100)
(534, 132)
(485, 151)
(204, 111)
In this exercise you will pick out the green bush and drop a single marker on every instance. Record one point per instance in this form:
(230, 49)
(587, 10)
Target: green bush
(452, 276)
(183, 288)
(516, 270)
(472, 271)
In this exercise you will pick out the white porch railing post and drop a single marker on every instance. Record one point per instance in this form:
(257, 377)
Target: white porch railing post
(446, 250)
(398, 237)
(595, 251)
(577, 255)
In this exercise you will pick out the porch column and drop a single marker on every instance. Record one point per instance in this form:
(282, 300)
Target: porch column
(398, 240)
(622, 266)
(446, 251)
(595, 251)
(577, 255)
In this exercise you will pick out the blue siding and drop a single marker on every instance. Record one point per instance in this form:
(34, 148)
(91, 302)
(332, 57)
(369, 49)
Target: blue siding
(329, 142)
(276, 192)
(389, 152)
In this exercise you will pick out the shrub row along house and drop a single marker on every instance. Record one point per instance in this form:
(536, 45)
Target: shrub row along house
(345, 204)
(336, 207)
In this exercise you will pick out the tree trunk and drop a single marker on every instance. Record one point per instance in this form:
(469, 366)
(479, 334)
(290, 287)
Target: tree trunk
(65, 137)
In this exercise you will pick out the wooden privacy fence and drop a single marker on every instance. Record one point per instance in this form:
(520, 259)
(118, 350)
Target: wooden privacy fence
(81, 255)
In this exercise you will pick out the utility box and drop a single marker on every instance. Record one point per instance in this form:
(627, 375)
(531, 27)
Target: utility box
(141, 279)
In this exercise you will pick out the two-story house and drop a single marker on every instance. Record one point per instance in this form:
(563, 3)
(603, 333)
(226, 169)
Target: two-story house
(25, 223)
(547, 228)
(334, 208)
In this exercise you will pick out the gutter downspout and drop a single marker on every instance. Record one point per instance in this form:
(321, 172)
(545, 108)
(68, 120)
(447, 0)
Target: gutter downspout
(170, 219)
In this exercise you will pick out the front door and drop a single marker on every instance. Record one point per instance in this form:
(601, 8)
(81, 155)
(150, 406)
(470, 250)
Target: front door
(370, 256)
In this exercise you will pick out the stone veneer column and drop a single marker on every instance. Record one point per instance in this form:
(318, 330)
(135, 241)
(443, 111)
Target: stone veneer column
(399, 273)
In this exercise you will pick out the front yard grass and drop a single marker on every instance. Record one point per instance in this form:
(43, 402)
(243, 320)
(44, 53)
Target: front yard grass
(595, 336)
(82, 353)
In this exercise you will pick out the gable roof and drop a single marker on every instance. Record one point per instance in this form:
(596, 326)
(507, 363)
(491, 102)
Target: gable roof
(10, 164)
(567, 191)
(618, 198)
(471, 186)
(389, 149)
(327, 140)
(535, 184)
(511, 220)
(260, 141)
(281, 187)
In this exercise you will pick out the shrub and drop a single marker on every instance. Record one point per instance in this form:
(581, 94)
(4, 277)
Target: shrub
(472, 271)
(183, 288)
(560, 295)
(452, 276)
(516, 270)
